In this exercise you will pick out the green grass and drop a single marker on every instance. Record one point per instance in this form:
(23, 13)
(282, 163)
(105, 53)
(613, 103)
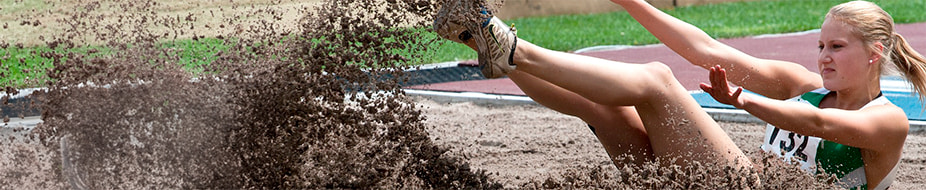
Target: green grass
(17, 65)
(20, 65)
(563, 33)
(194, 54)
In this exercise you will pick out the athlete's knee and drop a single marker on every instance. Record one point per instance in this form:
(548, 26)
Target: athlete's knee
(660, 72)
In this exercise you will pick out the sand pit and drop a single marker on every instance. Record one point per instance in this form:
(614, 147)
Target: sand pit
(316, 107)
(516, 144)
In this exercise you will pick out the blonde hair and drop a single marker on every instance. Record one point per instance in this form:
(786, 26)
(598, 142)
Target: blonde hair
(873, 24)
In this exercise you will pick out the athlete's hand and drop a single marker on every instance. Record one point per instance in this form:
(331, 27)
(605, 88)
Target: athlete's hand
(720, 88)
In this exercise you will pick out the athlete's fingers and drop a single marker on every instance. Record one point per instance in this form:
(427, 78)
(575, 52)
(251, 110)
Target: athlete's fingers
(715, 89)
(717, 80)
(736, 95)
(713, 80)
(720, 87)
(722, 76)
(723, 79)
(713, 76)
(706, 88)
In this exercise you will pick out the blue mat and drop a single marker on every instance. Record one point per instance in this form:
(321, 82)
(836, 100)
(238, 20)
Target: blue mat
(894, 88)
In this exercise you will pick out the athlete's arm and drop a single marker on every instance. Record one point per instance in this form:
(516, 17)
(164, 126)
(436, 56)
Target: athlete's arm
(874, 128)
(771, 78)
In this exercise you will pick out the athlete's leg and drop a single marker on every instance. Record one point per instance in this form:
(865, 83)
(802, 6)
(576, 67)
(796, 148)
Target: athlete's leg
(673, 121)
(618, 128)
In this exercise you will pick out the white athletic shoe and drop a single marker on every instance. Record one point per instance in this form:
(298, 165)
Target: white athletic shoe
(495, 41)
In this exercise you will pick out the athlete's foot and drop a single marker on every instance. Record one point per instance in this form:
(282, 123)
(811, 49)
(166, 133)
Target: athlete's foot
(495, 43)
(490, 37)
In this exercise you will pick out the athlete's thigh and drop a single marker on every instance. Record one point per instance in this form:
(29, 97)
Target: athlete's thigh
(678, 128)
(620, 130)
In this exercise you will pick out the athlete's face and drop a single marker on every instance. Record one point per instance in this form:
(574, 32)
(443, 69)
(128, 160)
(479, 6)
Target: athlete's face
(844, 59)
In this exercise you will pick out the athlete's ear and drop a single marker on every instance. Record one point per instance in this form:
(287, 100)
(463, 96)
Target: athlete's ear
(876, 55)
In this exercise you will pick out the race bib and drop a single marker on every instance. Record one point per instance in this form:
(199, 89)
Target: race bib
(792, 146)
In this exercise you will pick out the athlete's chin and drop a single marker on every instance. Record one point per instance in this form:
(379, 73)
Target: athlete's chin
(832, 85)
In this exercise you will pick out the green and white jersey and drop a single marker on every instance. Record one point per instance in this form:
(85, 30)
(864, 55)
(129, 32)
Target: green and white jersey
(813, 152)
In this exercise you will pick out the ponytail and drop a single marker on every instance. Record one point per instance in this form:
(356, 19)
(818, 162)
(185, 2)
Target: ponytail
(910, 63)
